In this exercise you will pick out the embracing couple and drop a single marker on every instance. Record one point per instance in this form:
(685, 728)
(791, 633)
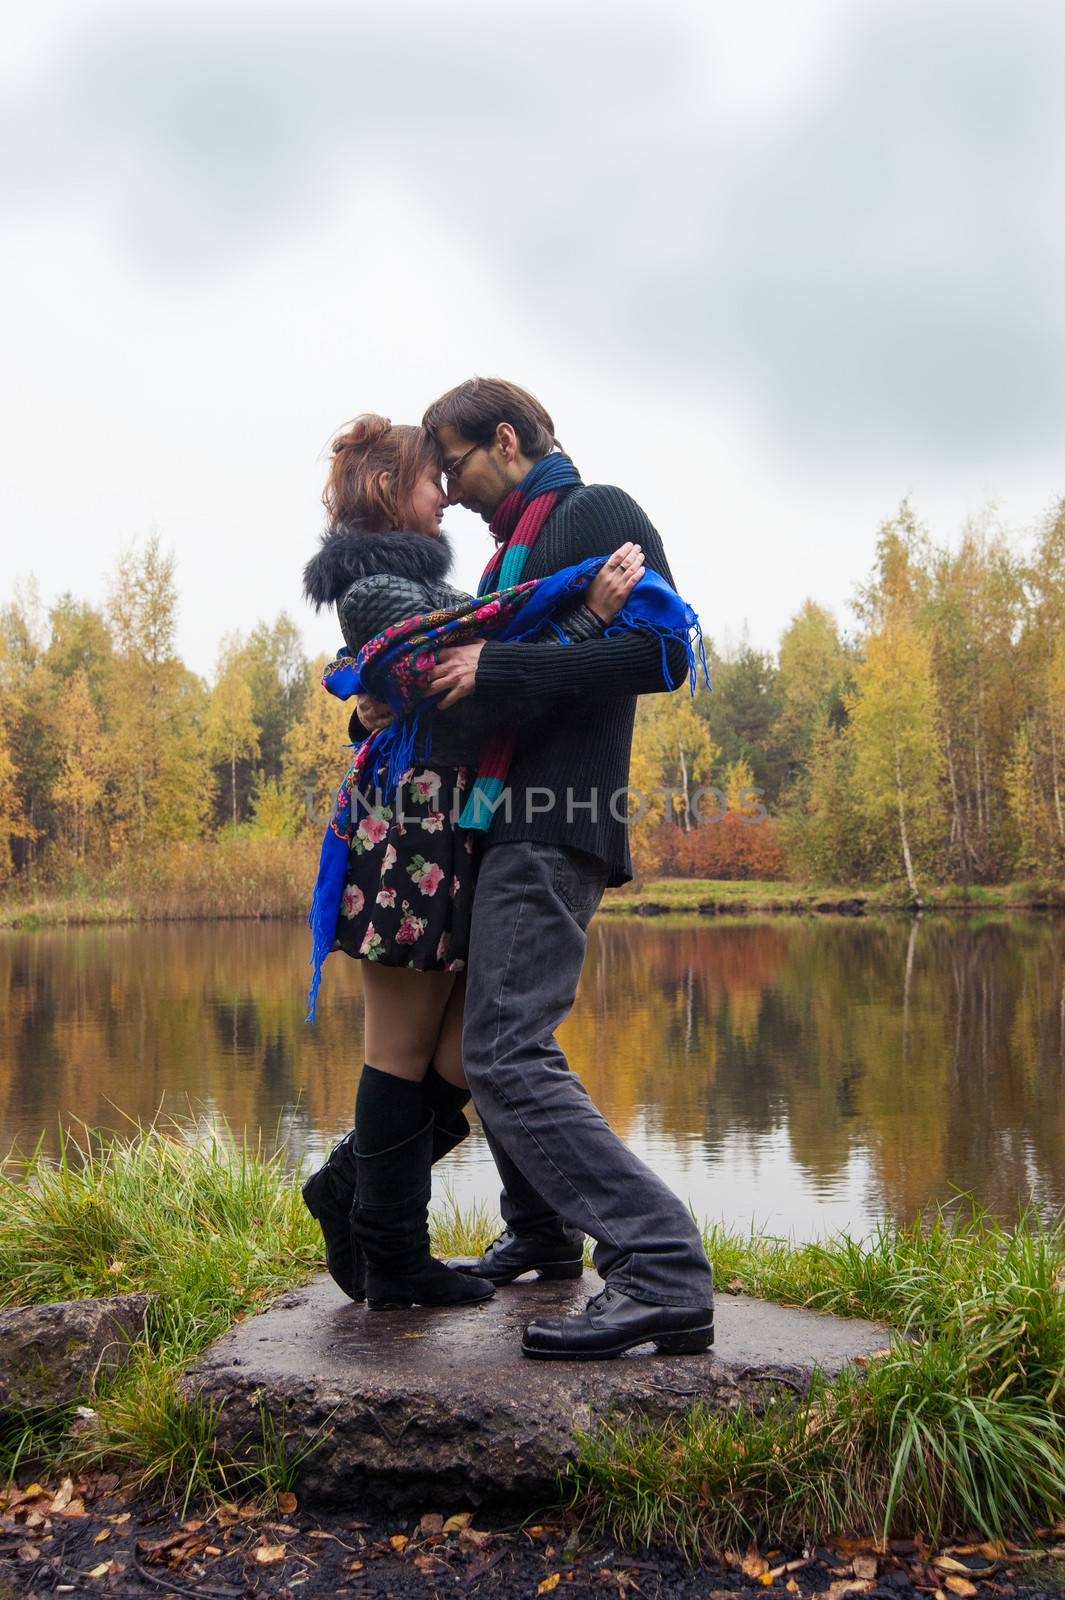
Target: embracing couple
(483, 816)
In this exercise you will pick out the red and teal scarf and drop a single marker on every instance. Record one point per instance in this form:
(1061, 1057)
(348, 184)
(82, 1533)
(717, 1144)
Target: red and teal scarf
(516, 527)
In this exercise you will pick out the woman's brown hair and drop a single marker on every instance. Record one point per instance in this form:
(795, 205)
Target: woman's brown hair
(373, 472)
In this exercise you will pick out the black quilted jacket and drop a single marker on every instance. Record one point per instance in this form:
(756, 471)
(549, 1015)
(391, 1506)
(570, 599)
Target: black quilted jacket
(376, 579)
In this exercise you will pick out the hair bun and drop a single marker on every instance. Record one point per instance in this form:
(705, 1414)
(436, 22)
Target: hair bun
(362, 433)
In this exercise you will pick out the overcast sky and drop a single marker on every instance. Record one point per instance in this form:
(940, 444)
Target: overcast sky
(770, 266)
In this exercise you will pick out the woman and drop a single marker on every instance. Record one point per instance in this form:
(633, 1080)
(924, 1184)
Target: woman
(406, 906)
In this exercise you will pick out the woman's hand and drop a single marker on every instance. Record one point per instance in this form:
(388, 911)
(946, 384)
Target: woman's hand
(615, 581)
(373, 714)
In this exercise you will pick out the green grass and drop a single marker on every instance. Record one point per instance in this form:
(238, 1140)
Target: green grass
(212, 1229)
(687, 894)
(958, 1428)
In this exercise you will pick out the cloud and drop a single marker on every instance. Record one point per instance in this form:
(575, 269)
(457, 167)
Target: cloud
(871, 263)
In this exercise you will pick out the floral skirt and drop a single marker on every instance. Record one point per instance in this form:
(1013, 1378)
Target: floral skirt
(408, 893)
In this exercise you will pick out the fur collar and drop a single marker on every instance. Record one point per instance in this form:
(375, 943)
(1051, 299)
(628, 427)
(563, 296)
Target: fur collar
(348, 553)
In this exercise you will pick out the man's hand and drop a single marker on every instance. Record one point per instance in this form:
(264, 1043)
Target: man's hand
(456, 671)
(373, 714)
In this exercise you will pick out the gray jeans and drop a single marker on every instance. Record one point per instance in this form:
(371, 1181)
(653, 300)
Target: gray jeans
(558, 1157)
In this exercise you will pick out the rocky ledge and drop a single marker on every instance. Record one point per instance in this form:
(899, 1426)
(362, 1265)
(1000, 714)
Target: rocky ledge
(407, 1407)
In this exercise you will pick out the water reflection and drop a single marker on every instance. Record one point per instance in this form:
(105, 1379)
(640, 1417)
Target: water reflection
(795, 1074)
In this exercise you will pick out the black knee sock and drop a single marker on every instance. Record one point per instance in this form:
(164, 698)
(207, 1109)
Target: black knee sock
(388, 1110)
(444, 1099)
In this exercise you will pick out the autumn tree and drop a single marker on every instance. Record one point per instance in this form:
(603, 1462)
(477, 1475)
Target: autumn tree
(822, 828)
(672, 757)
(277, 672)
(315, 757)
(83, 761)
(158, 773)
(811, 664)
(231, 730)
(974, 614)
(898, 756)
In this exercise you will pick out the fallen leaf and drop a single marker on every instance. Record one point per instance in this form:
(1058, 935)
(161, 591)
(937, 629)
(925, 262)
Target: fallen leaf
(119, 1517)
(791, 1586)
(102, 1570)
(212, 1550)
(76, 1508)
(536, 1531)
(848, 1586)
(63, 1495)
(399, 1542)
(425, 1563)
(960, 1586)
(104, 1533)
(28, 1552)
(948, 1564)
(766, 1578)
(267, 1555)
(432, 1522)
(754, 1564)
(355, 1566)
(33, 1492)
(548, 1583)
(865, 1566)
(472, 1539)
(287, 1503)
(461, 1519)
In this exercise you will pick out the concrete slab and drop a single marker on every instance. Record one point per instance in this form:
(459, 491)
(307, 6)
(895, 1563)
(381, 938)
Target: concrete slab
(440, 1407)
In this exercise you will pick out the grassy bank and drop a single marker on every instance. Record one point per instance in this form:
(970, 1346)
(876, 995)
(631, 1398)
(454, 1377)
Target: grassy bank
(237, 876)
(960, 1427)
(231, 876)
(703, 894)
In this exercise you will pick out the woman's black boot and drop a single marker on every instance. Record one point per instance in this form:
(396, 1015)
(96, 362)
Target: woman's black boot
(390, 1223)
(329, 1195)
(445, 1100)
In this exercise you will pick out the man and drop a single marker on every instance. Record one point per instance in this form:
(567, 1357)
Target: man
(556, 843)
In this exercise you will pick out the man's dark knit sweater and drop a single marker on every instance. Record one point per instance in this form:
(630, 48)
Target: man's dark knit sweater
(580, 753)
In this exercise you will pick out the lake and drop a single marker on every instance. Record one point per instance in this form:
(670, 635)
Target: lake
(794, 1074)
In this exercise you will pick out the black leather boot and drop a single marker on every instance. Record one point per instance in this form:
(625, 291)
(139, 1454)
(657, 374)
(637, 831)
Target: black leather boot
(329, 1195)
(390, 1223)
(554, 1253)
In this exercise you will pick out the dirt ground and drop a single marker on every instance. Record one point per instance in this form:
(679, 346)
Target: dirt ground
(86, 1538)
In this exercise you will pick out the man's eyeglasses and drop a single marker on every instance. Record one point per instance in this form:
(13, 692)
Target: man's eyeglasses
(452, 472)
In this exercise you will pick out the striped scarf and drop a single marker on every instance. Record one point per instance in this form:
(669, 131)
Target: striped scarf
(516, 525)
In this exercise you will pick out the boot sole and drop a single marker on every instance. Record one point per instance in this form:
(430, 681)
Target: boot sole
(382, 1303)
(690, 1342)
(546, 1271)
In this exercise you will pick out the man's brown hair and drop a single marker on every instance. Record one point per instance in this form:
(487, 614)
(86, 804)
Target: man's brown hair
(476, 408)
